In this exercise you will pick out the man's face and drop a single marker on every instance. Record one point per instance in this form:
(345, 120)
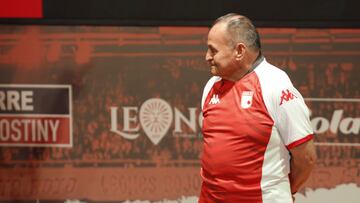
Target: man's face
(220, 55)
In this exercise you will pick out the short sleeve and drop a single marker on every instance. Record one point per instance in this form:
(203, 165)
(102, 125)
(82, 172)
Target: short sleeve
(285, 105)
(292, 116)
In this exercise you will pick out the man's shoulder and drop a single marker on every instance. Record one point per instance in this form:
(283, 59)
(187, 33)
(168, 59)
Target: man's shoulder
(271, 75)
(269, 70)
(212, 81)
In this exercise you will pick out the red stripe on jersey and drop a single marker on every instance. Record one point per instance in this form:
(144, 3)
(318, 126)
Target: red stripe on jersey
(299, 142)
(21, 9)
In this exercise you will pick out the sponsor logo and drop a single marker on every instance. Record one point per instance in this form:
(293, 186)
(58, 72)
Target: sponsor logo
(337, 123)
(156, 118)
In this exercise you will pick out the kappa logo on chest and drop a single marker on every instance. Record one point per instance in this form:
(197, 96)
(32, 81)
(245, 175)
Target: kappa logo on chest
(215, 99)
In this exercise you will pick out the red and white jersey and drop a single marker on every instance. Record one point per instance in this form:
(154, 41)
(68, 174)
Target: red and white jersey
(248, 128)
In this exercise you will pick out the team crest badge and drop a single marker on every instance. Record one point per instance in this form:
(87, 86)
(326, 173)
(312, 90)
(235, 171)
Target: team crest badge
(246, 99)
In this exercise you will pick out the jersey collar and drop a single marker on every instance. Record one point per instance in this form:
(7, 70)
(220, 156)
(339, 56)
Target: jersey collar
(256, 63)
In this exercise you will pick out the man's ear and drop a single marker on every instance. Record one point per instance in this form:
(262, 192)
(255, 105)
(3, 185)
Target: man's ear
(240, 51)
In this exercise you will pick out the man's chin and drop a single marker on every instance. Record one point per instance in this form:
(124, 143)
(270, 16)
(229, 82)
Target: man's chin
(214, 71)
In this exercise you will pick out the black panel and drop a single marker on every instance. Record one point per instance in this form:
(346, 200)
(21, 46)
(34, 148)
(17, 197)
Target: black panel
(43, 100)
(283, 13)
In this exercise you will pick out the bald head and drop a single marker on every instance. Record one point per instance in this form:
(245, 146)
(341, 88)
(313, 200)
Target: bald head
(240, 29)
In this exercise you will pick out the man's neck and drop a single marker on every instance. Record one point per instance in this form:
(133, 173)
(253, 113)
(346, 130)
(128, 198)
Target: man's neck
(256, 62)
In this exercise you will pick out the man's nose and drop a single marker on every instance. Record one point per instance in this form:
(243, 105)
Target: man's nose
(208, 56)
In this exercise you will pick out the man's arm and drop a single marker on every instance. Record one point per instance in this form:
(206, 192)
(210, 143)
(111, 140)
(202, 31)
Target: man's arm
(303, 159)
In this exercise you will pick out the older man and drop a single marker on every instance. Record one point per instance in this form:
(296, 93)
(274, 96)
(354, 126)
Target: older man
(258, 144)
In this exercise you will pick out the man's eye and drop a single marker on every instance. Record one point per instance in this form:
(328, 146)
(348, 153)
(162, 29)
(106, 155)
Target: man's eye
(213, 51)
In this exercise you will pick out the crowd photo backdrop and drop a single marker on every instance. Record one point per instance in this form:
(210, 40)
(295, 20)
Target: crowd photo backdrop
(112, 114)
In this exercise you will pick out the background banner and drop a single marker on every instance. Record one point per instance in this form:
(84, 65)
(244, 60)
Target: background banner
(113, 113)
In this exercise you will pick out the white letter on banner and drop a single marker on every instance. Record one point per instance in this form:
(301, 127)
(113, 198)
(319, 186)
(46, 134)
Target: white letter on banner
(114, 129)
(191, 122)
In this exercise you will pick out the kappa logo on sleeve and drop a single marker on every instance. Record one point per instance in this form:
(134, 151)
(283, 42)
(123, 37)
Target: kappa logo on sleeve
(286, 95)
